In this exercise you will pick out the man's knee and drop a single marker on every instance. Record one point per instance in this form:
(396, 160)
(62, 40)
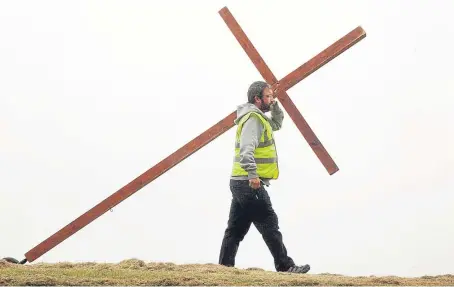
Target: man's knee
(237, 233)
(269, 225)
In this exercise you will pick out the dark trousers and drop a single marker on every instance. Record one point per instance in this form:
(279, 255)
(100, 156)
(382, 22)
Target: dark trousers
(252, 206)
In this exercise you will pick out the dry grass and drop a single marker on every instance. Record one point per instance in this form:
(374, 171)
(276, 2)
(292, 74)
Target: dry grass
(137, 272)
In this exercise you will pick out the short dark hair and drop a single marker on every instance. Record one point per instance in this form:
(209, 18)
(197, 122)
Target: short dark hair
(256, 90)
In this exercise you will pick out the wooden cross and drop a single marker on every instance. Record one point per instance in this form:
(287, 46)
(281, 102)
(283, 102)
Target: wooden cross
(280, 87)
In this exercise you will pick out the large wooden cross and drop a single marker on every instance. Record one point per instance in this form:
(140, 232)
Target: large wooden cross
(280, 87)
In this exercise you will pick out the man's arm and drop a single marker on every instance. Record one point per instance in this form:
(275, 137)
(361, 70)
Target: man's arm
(249, 140)
(277, 116)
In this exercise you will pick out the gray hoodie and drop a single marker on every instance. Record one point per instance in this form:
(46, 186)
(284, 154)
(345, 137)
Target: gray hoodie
(250, 136)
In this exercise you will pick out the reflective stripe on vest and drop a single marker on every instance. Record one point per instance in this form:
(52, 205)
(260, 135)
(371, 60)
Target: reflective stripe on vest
(265, 154)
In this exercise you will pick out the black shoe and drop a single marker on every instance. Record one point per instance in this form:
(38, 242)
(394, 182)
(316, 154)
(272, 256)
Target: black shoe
(299, 269)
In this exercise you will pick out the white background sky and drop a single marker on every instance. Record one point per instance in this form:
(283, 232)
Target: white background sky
(93, 93)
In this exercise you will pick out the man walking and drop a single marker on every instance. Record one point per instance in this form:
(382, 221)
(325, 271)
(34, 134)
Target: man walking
(255, 164)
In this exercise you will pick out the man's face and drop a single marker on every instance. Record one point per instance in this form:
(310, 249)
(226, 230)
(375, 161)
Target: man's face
(267, 100)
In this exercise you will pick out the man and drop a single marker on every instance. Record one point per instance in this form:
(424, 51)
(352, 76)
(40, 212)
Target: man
(255, 164)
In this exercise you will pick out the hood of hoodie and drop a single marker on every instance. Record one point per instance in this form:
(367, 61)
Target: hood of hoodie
(243, 109)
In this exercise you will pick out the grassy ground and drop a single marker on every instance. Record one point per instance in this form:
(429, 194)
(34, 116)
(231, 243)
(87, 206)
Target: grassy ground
(137, 272)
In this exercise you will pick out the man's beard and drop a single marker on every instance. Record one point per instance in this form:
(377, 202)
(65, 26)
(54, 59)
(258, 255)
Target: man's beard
(265, 108)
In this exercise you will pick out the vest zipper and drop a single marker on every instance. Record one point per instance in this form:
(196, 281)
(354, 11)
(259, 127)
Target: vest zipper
(277, 158)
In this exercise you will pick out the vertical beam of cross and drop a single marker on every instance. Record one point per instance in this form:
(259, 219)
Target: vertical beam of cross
(132, 187)
(292, 79)
(188, 149)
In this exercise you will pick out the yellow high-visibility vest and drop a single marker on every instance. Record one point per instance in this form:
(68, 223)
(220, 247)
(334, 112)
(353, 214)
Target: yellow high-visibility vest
(265, 154)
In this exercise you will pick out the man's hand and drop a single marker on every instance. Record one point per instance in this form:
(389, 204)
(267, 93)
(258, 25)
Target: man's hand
(254, 183)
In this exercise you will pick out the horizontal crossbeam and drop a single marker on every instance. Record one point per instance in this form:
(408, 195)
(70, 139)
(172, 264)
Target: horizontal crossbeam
(293, 78)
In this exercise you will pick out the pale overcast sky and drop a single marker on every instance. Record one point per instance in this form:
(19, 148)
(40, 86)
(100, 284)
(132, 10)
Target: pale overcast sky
(93, 93)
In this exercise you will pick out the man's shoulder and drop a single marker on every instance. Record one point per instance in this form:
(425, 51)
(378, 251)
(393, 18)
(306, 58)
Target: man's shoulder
(252, 115)
(257, 116)
(254, 118)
